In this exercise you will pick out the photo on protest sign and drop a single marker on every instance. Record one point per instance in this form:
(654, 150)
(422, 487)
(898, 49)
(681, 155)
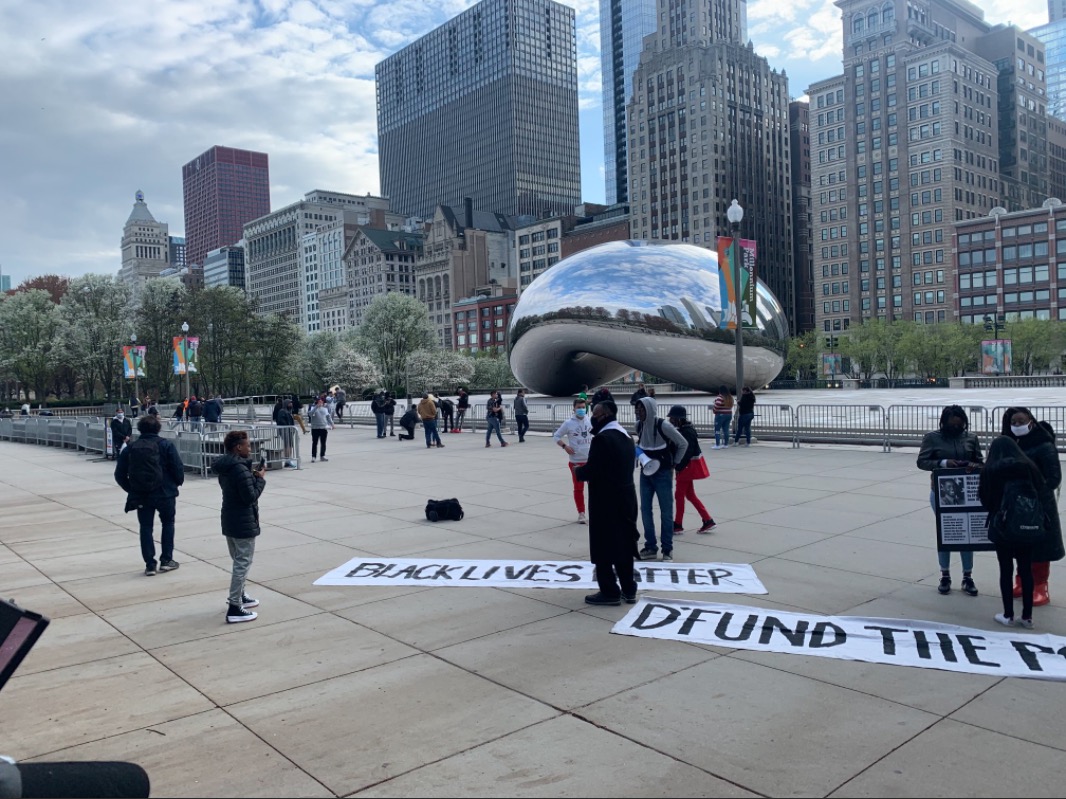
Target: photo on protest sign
(961, 522)
(899, 642)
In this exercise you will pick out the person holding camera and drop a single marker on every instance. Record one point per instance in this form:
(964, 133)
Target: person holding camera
(241, 484)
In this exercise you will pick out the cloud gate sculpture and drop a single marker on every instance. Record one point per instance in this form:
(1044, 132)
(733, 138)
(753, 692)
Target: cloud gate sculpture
(626, 305)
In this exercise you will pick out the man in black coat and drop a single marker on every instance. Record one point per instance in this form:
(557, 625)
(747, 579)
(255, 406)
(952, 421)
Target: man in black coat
(121, 432)
(241, 484)
(150, 472)
(613, 532)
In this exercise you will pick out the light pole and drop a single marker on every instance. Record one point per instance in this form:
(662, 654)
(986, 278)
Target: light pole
(735, 215)
(185, 352)
(136, 377)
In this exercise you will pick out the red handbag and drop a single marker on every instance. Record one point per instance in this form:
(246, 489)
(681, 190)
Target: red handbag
(697, 468)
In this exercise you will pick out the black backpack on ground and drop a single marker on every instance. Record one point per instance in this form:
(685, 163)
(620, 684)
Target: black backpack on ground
(1020, 520)
(438, 510)
(145, 467)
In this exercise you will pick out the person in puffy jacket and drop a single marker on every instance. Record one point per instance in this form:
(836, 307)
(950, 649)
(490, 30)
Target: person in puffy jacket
(241, 484)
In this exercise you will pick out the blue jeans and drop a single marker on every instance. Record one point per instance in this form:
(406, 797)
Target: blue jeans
(432, 436)
(945, 557)
(493, 426)
(380, 419)
(744, 426)
(721, 427)
(661, 486)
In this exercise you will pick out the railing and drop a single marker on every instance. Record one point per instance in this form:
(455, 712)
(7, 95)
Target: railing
(1007, 381)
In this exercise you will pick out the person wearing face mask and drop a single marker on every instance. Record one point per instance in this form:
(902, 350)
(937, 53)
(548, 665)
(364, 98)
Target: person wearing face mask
(121, 432)
(575, 437)
(951, 446)
(1037, 441)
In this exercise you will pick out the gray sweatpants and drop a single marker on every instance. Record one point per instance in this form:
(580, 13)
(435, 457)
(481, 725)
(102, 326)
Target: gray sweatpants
(241, 550)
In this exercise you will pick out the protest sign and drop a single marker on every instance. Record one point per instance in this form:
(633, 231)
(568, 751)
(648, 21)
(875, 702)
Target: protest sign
(901, 642)
(960, 519)
(725, 578)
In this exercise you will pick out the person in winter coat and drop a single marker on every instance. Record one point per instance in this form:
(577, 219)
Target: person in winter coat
(693, 466)
(613, 532)
(283, 418)
(321, 424)
(390, 412)
(577, 432)
(1007, 463)
(427, 412)
(521, 415)
(408, 422)
(745, 415)
(637, 395)
(241, 484)
(654, 437)
(462, 405)
(121, 432)
(377, 405)
(1037, 441)
(951, 445)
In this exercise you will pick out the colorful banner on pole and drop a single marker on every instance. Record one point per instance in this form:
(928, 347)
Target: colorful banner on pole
(996, 357)
(900, 642)
(961, 521)
(723, 578)
(832, 364)
(133, 361)
(185, 350)
(747, 282)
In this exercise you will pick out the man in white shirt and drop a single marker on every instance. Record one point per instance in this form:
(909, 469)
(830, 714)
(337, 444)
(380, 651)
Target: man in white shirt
(575, 436)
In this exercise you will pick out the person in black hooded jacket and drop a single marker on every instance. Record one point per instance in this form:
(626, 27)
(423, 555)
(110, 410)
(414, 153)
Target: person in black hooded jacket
(1037, 441)
(241, 485)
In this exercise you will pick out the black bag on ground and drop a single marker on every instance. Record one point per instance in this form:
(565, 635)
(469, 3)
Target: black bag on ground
(145, 467)
(1020, 520)
(438, 510)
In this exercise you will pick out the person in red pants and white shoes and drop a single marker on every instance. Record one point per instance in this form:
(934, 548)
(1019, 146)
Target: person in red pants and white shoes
(1037, 441)
(691, 467)
(577, 432)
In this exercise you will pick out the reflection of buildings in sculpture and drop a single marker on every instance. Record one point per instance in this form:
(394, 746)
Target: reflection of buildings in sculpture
(481, 322)
(605, 311)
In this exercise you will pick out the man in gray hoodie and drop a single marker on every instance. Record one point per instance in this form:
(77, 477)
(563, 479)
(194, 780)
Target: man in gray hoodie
(662, 442)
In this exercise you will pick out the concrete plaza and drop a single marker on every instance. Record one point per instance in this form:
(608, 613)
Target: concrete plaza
(487, 692)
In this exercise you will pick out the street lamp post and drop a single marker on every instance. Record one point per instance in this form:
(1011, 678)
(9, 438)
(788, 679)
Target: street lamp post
(185, 352)
(735, 215)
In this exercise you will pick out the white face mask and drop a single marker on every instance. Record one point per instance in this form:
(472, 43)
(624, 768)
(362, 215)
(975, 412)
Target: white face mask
(1019, 429)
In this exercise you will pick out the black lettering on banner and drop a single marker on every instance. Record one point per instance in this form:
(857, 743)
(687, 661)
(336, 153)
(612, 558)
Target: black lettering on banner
(567, 571)
(417, 574)
(372, 570)
(721, 631)
(795, 637)
(693, 617)
(517, 575)
(692, 573)
(489, 572)
(407, 572)
(970, 649)
(444, 572)
(640, 623)
(888, 640)
(818, 635)
(947, 648)
(535, 569)
(470, 570)
(717, 575)
(923, 645)
(1028, 652)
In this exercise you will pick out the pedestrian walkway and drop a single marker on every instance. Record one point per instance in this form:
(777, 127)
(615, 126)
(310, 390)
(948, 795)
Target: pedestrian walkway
(484, 692)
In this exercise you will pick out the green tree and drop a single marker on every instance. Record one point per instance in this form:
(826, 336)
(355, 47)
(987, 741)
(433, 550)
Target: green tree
(315, 353)
(1035, 345)
(96, 324)
(158, 319)
(273, 346)
(223, 318)
(353, 371)
(492, 370)
(435, 369)
(394, 326)
(802, 361)
(964, 348)
(29, 339)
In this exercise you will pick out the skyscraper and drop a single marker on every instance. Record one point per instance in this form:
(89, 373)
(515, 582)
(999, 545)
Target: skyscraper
(485, 107)
(145, 246)
(623, 26)
(1053, 35)
(708, 123)
(224, 188)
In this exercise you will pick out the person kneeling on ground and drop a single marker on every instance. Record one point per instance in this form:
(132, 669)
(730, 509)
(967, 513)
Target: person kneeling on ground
(241, 485)
(408, 422)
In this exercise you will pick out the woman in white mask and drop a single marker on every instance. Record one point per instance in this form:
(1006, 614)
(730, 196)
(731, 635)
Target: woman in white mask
(1037, 441)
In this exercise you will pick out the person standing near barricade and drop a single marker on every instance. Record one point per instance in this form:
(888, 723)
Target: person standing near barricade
(494, 418)
(951, 446)
(427, 412)
(297, 413)
(637, 395)
(660, 441)
(390, 412)
(135, 406)
(1037, 441)
(241, 484)
(447, 415)
(196, 414)
(723, 417)
(613, 532)
(213, 412)
(745, 415)
(321, 424)
(121, 432)
(179, 414)
(342, 397)
(693, 466)
(150, 471)
(521, 415)
(577, 432)
(377, 405)
(285, 422)
(462, 405)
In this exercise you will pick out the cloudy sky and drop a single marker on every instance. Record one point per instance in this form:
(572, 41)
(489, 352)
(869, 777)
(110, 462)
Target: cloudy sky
(103, 98)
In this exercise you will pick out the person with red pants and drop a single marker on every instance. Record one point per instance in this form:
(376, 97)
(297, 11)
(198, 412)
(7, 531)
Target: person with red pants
(1037, 441)
(691, 467)
(575, 436)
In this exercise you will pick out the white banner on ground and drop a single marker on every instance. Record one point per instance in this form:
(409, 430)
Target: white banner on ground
(924, 644)
(724, 578)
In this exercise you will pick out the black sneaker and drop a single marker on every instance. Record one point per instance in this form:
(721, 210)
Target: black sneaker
(630, 599)
(708, 525)
(149, 570)
(648, 553)
(969, 586)
(945, 584)
(248, 602)
(599, 599)
(678, 528)
(236, 615)
(168, 565)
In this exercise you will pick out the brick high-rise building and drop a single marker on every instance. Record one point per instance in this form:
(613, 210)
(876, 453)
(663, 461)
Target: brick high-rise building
(224, 188)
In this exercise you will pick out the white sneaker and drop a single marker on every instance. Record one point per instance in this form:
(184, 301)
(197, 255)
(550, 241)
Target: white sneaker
(1026, 623)
(312, 460)
(581, 518)
(325, 459)
(1006, 621)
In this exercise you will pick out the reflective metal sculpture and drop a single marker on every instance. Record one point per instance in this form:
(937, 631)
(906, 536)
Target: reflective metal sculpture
(605, 311)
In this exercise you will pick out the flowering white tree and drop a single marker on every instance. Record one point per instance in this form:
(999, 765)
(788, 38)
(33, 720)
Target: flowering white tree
(353, 371)
(97, 323)
(29, 339)
(429, 370)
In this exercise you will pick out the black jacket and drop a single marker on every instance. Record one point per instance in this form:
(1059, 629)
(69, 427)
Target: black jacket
(240, 496)
(635, 397)
(612, 496)
(283, 418)
(120, 431)
(173, 471)
(601, 395)
(213, 411)
(937, 447)
(994, 479)
(689, 432)
(746, 403)
(1039, 446)
(409, 419)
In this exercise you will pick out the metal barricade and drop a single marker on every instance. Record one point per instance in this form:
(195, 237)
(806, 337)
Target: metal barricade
(840, 424)
(96, 436)
(772, 422)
